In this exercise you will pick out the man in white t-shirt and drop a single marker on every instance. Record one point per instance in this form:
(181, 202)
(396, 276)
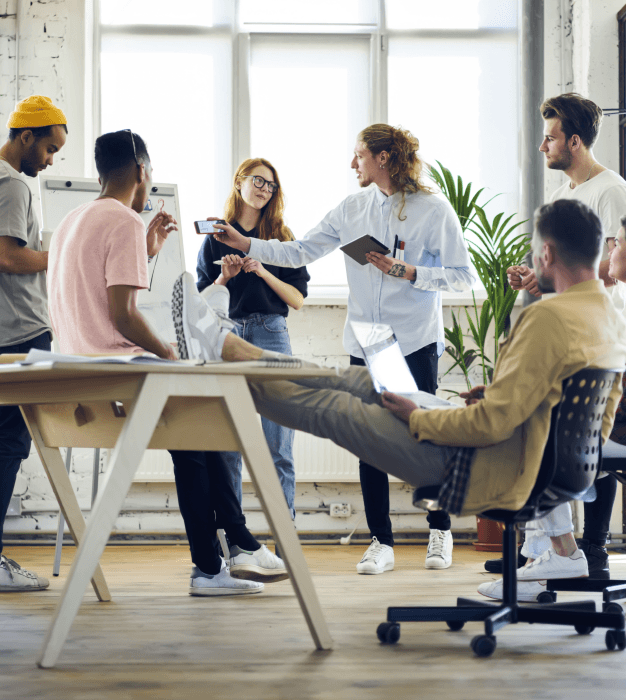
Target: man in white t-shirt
(572, 125)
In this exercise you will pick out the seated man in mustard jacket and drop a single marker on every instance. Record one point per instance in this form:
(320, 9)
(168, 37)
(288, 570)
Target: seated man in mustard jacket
(493, 446)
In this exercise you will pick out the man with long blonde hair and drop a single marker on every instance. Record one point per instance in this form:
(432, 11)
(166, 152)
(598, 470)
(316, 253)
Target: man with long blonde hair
(402, 290)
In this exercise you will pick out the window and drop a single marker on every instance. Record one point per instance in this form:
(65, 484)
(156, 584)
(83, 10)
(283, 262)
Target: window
(309, 98)
(218, 81)
(173, 88)
(458, 96)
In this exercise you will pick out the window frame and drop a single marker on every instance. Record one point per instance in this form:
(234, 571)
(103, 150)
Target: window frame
(240, 35)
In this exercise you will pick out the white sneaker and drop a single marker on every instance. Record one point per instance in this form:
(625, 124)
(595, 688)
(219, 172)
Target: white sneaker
(551, 565)
(200, 330)
(14, 578)
(527, 591)
(261, 565)
(217, 297)
(220, 584)
(377, 559)
(439, 553)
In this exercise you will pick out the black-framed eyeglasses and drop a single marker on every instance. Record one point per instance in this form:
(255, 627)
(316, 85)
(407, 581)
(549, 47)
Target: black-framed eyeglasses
(609, 242)
(260, 182)
(132, 140)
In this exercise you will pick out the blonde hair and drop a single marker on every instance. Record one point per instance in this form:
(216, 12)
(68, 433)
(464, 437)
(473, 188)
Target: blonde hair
(271, 224)
(405, 166)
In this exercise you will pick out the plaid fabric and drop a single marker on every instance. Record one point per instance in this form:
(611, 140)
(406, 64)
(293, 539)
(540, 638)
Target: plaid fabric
(455, 481)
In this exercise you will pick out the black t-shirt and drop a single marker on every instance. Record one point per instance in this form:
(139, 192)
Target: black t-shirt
(249, 294)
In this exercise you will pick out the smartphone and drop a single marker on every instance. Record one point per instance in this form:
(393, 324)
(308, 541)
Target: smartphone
(207, 226)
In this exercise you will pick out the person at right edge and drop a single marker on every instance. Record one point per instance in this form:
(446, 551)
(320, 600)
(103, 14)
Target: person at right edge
(395, 207)
(571, 127)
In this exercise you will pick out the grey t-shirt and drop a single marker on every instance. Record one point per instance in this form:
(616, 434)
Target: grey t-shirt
(23, 298)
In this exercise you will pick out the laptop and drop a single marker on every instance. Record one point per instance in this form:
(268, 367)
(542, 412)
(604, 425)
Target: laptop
(387, 366)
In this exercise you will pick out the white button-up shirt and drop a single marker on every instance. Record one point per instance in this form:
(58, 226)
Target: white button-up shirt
(433, 241)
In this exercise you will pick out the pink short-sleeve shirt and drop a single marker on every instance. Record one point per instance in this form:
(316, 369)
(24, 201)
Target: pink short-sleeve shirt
(96, 246)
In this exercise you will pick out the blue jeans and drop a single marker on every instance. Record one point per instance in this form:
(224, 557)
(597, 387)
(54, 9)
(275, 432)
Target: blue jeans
(268, 331)
(14, 436)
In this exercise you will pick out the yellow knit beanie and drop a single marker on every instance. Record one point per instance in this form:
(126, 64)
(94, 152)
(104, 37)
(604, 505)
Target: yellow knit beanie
(35, 111)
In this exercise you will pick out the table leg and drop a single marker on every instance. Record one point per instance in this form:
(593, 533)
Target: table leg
(263, 474)
(62, 487)
(131, 445)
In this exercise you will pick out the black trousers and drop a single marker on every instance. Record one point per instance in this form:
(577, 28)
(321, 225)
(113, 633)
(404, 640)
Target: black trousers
(598, 512)
(374, 483)
(207, 502)
(14, 436)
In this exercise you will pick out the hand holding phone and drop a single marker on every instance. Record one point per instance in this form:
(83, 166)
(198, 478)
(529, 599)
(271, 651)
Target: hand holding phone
(207, 226)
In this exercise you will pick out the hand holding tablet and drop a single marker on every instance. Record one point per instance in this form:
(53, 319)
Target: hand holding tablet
(366, 244)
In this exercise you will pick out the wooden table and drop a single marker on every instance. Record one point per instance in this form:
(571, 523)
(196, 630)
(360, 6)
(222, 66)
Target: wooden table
(132, 408)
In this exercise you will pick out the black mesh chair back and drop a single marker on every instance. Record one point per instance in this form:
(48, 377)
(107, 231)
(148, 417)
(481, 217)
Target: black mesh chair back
(573, 452)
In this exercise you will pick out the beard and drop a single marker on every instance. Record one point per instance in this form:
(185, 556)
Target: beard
(29, 167)
(545, 285)
(563, 162)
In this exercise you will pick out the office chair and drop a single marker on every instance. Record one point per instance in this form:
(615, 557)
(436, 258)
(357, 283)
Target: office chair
(568, 470)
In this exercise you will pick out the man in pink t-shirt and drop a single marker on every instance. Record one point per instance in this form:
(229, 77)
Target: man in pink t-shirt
(96, 265)
(96, 247)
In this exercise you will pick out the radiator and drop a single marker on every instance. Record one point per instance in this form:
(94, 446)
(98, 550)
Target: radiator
(316, 459)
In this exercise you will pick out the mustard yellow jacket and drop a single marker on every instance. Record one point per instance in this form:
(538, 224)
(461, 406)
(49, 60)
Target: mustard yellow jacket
(551, 340)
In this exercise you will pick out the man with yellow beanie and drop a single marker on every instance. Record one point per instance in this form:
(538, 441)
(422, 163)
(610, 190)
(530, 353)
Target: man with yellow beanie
(37, 130)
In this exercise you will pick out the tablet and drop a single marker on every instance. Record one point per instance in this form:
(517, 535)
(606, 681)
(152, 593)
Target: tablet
(366, 244)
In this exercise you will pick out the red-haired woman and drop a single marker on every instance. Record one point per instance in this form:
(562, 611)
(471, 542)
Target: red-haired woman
(260, 295)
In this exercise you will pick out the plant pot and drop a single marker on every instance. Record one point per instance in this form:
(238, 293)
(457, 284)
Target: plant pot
(489, 535)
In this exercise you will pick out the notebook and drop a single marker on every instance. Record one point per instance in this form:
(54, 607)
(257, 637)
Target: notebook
(387, 366)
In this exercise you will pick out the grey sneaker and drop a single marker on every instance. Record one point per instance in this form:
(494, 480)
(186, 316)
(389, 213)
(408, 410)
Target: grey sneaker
(261, 565)
(14, 578)
(220, 584)
(200, 330)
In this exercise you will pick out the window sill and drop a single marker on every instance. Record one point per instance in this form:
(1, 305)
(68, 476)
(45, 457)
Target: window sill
(338, 296)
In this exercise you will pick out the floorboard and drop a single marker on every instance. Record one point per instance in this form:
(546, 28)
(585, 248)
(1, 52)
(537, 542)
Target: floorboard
(154, 641)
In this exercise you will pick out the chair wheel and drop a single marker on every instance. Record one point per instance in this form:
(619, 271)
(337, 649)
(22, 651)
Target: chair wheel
(584, 629)
(455, 625)
(615, 639)
(388, 632)
(483, 645)
(546, 597)
(613, 608)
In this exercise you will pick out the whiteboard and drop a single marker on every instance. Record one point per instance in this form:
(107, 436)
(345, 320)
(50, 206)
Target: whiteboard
(60, 195)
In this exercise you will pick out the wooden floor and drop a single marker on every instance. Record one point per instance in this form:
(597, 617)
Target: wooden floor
(156, 642)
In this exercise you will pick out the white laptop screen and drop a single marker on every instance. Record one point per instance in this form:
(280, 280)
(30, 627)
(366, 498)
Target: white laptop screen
(384, 358)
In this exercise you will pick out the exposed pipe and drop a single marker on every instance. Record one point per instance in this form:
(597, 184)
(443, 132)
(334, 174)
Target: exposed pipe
(17, 49)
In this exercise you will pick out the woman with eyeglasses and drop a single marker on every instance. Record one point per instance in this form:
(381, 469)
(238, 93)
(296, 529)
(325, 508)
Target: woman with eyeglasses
(260, 295)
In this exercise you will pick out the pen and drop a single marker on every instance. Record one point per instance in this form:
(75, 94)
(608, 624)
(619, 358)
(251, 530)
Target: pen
(395, 246)
(220, 262)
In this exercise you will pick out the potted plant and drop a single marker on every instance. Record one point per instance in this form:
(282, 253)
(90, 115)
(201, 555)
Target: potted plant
(495, 246)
